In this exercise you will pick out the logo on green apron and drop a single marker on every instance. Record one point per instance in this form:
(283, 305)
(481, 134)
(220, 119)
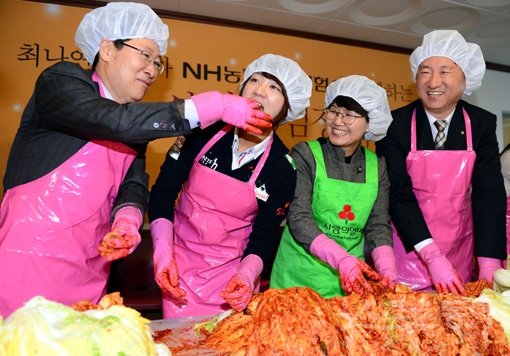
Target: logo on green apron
(344, 231)
(347, 213)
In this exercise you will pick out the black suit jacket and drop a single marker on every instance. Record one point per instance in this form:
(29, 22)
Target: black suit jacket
(488, 191)
(66, 111)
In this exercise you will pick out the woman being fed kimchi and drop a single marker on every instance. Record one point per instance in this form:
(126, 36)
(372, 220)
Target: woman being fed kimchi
(212, 243)
(340, 207)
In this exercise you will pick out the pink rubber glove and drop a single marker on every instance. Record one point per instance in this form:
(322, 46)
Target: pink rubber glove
(232, 109)
(487, 266)
(352, 270)
(444, 276)
(165, 266)
(240, 288)
(124, 236)
(386, 265)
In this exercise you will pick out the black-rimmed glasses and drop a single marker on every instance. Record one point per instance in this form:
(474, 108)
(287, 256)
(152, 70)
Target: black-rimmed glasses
(347, 117)
(147, 57)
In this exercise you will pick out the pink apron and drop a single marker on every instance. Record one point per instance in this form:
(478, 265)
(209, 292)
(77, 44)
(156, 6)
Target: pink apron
(442, 185)
(508, 226)
(213, 220)
(50, 228)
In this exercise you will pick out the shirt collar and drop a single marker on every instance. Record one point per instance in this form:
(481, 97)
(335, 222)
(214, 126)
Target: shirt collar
(105, 91)
(239, 159)
(433, 119)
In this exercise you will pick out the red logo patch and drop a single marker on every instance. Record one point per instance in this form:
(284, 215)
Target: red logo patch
(347, 213)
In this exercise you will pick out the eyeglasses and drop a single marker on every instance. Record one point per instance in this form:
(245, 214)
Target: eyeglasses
(347, 117)
(147, 57)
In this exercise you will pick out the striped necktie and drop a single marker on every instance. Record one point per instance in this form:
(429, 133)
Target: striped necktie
(441, 137)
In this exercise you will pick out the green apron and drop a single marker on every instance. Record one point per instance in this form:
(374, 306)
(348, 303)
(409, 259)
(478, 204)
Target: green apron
(341, 210)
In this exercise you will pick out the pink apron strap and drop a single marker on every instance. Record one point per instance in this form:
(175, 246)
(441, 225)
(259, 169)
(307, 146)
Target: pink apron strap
(469, 137)
(212, 141)
(95, 78)
(413, 131)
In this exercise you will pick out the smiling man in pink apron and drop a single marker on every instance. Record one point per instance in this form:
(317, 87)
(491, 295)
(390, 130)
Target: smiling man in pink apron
(236, 188)
(78, 159)
(447, 198)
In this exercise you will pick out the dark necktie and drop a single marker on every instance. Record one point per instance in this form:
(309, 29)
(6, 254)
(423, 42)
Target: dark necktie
(441, 137)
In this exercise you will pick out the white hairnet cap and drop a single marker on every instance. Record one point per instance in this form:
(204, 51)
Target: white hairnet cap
(119, 20)
(296, 82)
(370, 96)
(451, 44)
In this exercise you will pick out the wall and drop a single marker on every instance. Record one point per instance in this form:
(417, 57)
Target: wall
(200, 57)
(494, 95)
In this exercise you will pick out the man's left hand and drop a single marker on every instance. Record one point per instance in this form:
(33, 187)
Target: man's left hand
(124, 236)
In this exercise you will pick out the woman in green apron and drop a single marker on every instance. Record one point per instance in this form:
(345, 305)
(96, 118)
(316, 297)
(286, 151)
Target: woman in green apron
(340, 207)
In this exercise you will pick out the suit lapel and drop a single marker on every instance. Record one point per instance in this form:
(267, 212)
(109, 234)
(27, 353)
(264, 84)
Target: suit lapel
(456, 139)
(424, 132)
